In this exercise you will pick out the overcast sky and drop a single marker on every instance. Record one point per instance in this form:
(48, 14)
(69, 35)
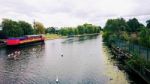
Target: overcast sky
(73, 12)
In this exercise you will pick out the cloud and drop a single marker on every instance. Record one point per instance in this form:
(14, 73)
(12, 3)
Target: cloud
(73, 12)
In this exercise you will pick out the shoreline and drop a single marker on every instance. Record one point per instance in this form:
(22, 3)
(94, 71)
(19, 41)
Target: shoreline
(62, 37)
(56, 36)
(123, 58)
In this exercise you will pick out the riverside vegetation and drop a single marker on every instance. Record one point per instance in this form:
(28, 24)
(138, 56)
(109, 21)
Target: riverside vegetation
(130, 32)
(12, 28)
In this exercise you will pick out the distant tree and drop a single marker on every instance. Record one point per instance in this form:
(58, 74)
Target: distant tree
(89, 28)
(63, 31)
(97, 29)
(76, 32)
(51, 30)
(39, 28)
(70, 31)
(26, 27)
(133, 25)
(81, 29)
(11, 28)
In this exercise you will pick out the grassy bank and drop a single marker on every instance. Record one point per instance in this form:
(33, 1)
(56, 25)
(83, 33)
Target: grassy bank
(52, 36)
(84, 35)
(132, 62)
(56, 36)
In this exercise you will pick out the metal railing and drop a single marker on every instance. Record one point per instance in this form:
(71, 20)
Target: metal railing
(134, 49)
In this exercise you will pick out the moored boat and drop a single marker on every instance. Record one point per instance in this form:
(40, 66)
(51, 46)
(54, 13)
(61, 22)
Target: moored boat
(24, 40)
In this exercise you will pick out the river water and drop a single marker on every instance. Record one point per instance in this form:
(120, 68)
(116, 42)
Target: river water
(77, 60)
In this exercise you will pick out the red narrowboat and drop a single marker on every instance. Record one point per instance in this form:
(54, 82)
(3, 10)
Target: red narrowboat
(24, 40)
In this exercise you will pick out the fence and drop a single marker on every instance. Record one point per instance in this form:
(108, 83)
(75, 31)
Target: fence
(134, 49)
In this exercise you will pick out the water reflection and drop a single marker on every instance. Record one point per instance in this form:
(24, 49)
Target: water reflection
(16, 63)
(80, 39)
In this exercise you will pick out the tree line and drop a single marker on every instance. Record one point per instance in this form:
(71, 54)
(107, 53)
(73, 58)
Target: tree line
(131, 31)
(79, 30)
(69, 31)
(19, 28)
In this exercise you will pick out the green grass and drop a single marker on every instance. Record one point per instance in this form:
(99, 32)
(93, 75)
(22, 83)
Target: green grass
(52, 36)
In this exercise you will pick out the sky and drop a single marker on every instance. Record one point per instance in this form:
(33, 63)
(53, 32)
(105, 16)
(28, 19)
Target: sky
(62, 13)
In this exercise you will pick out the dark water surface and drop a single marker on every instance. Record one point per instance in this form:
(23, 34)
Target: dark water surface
(77, 60)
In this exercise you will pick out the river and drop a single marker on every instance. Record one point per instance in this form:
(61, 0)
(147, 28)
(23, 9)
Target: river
(76, 60)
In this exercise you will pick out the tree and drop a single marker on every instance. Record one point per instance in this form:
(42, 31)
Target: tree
(39, 28)
(116, 25)
(76, 32)
(81, 29)
(70, 31)
(63, 31)
(51, 30)
(144, 37)
(89, 28)
(26, 27)
(133, 25)
(11, 28)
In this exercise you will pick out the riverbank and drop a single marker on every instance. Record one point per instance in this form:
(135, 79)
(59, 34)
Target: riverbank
(84, 35)
(56, 36)
(52, 36)
(131, 63)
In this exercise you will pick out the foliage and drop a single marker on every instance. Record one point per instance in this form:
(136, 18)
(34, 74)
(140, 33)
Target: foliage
(26, 27)
(116, 25)
(144, 37)
(137, 62)
(81, 29)
(133, 25)
(39, 28)
(16, 29)
(51, 30)
(11, 28)
(131, 31)
(124, 36)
